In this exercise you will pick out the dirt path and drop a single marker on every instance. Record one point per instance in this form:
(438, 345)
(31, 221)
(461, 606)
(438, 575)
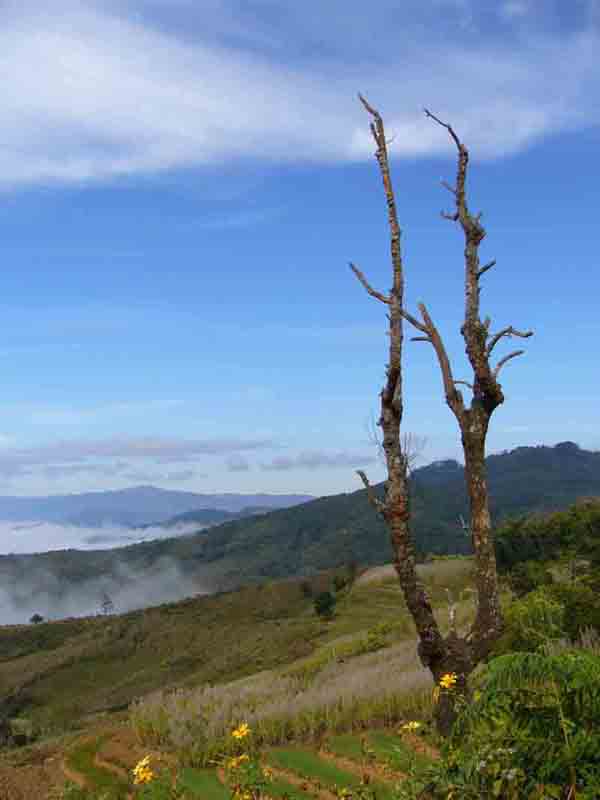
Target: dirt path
(39, 781)
(73, 776)
(303, 783)
(116, 770)
(376, 772)
(420, 746)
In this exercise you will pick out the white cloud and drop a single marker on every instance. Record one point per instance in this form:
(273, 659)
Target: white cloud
(57, 458)
(316, 460)
(90, 96)
(42, 537)
(238, 463)
(515, 8)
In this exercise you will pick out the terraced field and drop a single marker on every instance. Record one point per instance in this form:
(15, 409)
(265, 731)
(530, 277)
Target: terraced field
(103, 763)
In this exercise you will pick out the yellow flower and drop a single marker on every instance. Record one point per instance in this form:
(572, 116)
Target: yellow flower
(411, 726)
(448, 680)
(241, 731)
(477, 694)
(234, 763)
(142, 771)
(267, 772)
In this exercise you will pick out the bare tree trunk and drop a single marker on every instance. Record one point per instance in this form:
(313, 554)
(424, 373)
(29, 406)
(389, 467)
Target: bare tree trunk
(452, 655)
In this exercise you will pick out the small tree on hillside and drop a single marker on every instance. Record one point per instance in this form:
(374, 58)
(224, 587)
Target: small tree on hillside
(450, 654)
(107, 604)
(325, 604)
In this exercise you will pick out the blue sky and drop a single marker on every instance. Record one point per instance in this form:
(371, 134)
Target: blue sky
(184, 183)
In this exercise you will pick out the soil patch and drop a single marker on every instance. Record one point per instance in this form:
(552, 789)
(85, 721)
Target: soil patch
(39, 781)
(376, 772)
(302, 783)
(420, 746)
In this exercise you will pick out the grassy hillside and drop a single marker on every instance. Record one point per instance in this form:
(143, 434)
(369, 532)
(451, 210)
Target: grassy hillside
(60, 672)
(325, 699)
(62, 679)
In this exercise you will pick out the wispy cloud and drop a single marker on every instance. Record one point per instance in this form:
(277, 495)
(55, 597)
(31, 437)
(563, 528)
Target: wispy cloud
(89, 95)
(70, 457)
(318, 460)
(515, 8)
(238, 464)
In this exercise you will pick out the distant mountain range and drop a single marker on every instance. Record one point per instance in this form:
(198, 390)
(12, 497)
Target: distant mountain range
(301, 539)
(139, 505)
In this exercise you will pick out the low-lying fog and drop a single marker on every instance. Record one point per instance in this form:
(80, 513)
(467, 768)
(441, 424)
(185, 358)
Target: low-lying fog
(40, 591)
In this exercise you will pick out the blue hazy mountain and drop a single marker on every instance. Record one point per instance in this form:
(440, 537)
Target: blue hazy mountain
(139, 505)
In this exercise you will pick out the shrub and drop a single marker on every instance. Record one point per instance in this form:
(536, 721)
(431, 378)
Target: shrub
(581, 604)
(527, 576)
(325, 604)
(531, 732)
(530, 622)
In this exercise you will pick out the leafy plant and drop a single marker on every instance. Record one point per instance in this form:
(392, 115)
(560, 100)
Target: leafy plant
(530, 622)
(527, 576)
(325, 604)
(531, 732)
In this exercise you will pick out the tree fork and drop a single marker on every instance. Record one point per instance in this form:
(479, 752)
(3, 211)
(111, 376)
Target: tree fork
(452, 654)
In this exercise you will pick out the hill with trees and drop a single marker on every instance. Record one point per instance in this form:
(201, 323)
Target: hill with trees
(321, 534)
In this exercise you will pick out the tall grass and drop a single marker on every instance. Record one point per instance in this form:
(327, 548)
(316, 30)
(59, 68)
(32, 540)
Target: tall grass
(352, 681)
(378, 688)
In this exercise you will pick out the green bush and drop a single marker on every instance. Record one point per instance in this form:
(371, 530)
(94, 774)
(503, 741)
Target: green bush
(527, 576)
(530, 622)
(581, 604)
(532, 732)
(325, 604)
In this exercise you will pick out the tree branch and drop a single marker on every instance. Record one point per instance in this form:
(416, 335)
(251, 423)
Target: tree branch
(503, 361)
(369, 108)
(451, 217)
(509, 331)
(375, 501)
(421, 339)
(414, 322)
(453, 396)
(444, 125)
(465, 383)
(383, 298)
(485, 268)
(451, 189)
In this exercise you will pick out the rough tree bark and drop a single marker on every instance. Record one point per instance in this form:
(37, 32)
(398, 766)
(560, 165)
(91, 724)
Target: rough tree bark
(452, 653)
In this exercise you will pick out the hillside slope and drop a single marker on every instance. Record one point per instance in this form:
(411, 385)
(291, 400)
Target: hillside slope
(320, 534)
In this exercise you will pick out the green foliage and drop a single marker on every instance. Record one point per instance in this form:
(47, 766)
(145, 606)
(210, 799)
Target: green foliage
(535, 723)
(325, 604)
(527, 576)
(543, 536)
(581, 604)
(530, 622)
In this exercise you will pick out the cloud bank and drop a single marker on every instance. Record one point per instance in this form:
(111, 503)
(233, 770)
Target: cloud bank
(98, 91)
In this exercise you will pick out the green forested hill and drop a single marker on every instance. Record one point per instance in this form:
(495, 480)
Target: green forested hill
(330, 531)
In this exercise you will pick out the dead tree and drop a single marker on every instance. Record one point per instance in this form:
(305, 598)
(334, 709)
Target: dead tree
(450, 654)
